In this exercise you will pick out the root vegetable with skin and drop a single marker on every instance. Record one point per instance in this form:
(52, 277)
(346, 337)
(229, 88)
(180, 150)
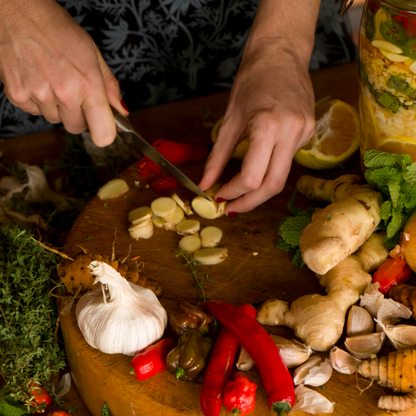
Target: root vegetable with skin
(113, 189)
(209, 209)
(339, 229)
(190, 243)
(396, 371)
(210, 256)
(319, 320)
(211, 236)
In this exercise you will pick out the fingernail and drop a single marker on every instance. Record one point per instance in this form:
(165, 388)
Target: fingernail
(124, 105)
(232, 214)
(219, 199)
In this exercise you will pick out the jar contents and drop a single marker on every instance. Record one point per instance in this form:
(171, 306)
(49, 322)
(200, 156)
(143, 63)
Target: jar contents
(388, 79)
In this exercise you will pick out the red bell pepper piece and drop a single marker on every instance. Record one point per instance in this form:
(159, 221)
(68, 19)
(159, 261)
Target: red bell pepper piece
(240, 395)
(165, 184)
(144, 168)
(151, 360)
(261, 348)
(399, 18)
(392, 272)
(219, 368)
(42, 400)
(181, 152)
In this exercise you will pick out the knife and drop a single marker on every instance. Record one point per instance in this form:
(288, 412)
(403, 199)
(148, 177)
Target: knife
(127, 132)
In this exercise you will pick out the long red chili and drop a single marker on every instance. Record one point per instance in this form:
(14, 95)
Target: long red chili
(219, 368)
(181, 152)
(257, 342)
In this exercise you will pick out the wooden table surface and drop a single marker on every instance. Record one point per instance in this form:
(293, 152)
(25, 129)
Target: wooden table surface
(240, 279)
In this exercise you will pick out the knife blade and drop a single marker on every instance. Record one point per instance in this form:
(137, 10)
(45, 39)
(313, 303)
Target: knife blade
(128, 133)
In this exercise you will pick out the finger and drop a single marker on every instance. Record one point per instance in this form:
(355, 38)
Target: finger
(51, 112)
(73, 118)
(255, 162)
(112, 86)
(22, 100)
(227, 140)
(273, 183)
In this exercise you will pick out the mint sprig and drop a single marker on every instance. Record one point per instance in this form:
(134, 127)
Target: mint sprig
(394, 176)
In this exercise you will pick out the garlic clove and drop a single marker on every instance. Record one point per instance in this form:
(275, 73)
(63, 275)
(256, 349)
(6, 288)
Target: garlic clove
(310, 401)
(272, 312)
(342, 361)
(359, 321)
(319, 374)
(293, 352)
(244, 362)
(391, 311)
(302, 371)
(372, 299)
(365, 346)
(401, 336)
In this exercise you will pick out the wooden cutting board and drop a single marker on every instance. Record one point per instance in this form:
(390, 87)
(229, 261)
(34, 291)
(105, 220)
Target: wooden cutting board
(242, 278)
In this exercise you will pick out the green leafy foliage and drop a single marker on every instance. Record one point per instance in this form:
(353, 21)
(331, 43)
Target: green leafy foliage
(28, 316)
(290, 229)
(400, 84)
(394, 176)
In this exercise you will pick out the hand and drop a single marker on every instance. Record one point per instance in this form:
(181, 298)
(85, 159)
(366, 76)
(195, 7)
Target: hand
(50, 66)
(272, 104)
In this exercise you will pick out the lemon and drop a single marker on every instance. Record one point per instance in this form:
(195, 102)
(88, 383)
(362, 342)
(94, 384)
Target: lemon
(399, 144)
(337, 137)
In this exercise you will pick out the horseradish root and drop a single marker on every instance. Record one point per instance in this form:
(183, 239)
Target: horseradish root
(113, 189)
(339, 229)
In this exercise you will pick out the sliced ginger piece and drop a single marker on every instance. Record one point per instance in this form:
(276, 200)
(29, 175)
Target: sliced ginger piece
(184, 205)
(163, 206)
(142, 230)
(188, 227)
(170, 221)
(209, 256)
(209, 209)
(190, 243)
(211, 236)
(139, 214)
(113, 189)
(157, 221)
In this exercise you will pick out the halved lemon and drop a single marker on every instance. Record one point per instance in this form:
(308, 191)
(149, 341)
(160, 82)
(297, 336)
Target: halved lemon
(399, 144)
(337, 137)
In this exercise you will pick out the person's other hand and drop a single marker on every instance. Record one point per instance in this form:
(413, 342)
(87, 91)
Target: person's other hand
(271, 104)
(50, 66)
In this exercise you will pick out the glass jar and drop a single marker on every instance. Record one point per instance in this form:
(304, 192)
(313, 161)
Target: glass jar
(387, 61)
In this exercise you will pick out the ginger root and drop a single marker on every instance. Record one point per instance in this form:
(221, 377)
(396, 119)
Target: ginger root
(342, 227)
(396, 371)
(405, 294)
(319, 320)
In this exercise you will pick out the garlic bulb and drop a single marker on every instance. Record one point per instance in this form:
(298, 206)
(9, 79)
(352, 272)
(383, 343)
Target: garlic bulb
(343, 362)
(123, 318)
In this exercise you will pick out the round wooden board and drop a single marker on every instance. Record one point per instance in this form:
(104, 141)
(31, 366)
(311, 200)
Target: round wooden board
(242, 278)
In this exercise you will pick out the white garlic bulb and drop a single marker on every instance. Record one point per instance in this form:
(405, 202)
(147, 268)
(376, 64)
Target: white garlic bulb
(123, 318)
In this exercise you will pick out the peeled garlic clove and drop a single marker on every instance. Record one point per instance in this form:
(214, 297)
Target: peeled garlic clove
(401, 336)
(293, 352)
(244, 362)
(343, 362)
(311, 402)
(272, 312)
(359, 321)
(302, 371)
(365, 346)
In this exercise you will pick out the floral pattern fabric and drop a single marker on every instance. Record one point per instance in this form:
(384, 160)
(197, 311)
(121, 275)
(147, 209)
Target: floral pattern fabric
(166, 50)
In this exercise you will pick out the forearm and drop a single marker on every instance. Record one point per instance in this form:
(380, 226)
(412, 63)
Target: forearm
(285, 24)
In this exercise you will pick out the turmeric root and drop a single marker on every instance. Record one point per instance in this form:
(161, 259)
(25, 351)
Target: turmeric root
(76, 273)
(340, 228)
(405, 294)
(396, 371)
(319, 320)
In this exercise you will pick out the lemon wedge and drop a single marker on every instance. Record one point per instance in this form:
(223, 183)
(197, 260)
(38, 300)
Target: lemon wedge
(398, 144)
(337, 137)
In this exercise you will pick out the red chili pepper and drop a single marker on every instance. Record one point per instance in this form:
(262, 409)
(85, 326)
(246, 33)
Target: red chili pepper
(257, 342)
(42, 398)
(59, 413)
(399, 18)
(406, 22)
(392, 272)
(181, 152)
(144, 168)
(165, 184)
(219, 368)
(240, 395)
(151, 360)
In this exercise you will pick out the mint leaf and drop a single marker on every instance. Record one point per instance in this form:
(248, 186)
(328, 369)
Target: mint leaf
(386, 210)
(283, 245)
(298, 260)
(12, 407)
(386, 100)
(376, 159)
(400, 84)
(394, 189)
(410, 175)
(396, 224)
(292, 229)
